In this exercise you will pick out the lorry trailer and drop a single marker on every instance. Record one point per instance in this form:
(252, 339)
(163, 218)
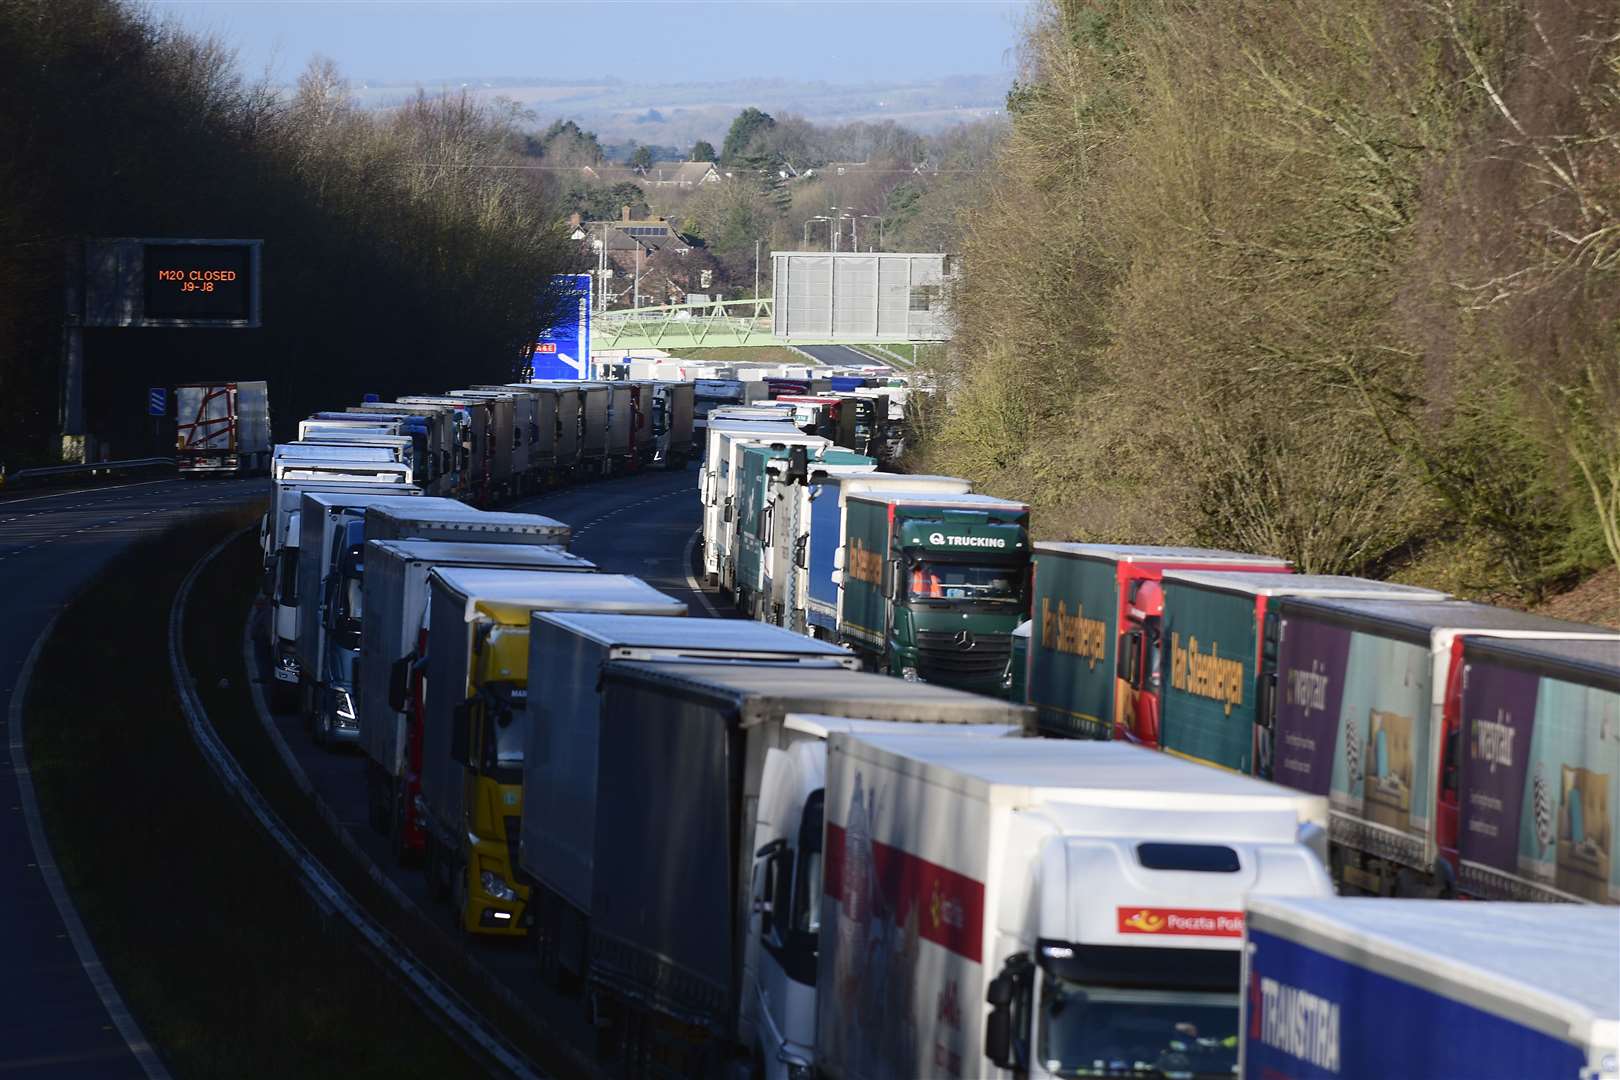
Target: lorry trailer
(1365, 989)
(1094, 662)
(567, 654)
(1360, 718)
(1533, 726)
(1042, 907)
(1219, 651)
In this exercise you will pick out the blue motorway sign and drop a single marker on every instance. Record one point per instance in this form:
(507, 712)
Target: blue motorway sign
(157, 401)
(564, 350)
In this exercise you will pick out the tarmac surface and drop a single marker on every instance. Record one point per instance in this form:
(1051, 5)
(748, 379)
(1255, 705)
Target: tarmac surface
(54, 1022)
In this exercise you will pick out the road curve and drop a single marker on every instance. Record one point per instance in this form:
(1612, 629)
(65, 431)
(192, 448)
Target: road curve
(53, 1020)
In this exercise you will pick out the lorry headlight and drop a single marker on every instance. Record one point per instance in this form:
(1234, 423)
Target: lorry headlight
(909, 673)
(496, 886)
(345, 705)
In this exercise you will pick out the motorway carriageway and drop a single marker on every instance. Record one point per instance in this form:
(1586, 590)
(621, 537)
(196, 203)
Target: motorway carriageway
(642, 524)
(59, 1015)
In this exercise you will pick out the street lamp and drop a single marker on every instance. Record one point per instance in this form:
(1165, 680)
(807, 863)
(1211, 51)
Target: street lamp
(817, 217)
(879, 218)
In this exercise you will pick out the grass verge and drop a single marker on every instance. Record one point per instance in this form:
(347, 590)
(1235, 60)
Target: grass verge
(222, 957)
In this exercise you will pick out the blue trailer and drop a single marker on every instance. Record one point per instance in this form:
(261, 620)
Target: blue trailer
(1367, 989)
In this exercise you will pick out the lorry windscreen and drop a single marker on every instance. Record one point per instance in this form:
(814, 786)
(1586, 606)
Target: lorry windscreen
(506, 732)
(942, 580)
(1089, 1030)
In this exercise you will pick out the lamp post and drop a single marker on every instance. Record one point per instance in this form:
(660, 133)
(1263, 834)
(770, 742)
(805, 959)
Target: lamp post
(879, 218)
(817, 217)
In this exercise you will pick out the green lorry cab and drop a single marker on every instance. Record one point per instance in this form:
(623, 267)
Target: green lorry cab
(933, 586)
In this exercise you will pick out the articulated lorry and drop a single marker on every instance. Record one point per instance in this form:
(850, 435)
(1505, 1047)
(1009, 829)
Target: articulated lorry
(333, 584)
(294, 455)
(783, 529)
(1360, 718)
(712, 473)
(727, 475)
(222, 428)
(933, 585)
(1367, 989)
(474, 724)
(567, 656)
(1219, 643)
(672, 424)
(331, 527)
(1527, 807)
(826, 534)
(393, 639)
(1042, 907)
(1094, 661)
(477, 427)
(668, 967)
(444, 438)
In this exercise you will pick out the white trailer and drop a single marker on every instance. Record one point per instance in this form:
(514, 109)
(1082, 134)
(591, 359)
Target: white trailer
(288, 455)
(729, 487)
(395, 592)
(222, 427)
(331, 531)
(446, 519)
(1036, 907)
(566, 657)
(1366, 989)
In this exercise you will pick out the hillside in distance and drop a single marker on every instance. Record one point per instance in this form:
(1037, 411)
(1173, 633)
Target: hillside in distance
(676, 114)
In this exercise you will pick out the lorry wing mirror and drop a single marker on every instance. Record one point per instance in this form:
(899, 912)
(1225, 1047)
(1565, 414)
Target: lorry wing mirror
(998, 1037)
(461, 732)
(399, 683)
(891, 586)
(798, 551)
(1000, 992)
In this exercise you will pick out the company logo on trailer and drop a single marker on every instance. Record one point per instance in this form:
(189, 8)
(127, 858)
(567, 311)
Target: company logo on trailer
(1492, 740)
(1180, 922)
(942, 540)
(1074, 634)
(1208, 675)
(864, 563)
(1308, 689)
(1294, 1021)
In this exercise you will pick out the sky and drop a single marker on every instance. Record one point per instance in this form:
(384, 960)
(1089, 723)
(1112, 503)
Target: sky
(641, 41)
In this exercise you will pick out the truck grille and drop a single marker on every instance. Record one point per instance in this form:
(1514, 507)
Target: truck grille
(962, 658)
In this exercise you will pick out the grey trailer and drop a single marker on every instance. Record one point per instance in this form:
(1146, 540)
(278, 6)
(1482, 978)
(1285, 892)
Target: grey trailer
(567, 653)
(396, 598)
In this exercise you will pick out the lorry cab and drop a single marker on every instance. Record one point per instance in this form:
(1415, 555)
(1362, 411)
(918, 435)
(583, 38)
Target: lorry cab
(1081, 915)
(935, 585)
(786, 882)
(336, 718)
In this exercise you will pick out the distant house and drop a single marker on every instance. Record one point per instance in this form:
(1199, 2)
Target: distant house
(627, 234)
(681, 174)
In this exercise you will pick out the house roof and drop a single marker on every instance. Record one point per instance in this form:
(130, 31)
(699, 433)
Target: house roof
(680, 172)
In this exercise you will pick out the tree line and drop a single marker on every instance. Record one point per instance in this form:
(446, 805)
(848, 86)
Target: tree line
(1329, 281)
(398, 254)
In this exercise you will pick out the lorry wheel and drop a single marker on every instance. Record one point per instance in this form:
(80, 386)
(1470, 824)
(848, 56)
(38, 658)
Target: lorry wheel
(378, 800)
(396, 826)
(282, 699)
(458, 897)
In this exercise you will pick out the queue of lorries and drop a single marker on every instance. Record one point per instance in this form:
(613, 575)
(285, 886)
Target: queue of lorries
(742, 851)
(1461, 749)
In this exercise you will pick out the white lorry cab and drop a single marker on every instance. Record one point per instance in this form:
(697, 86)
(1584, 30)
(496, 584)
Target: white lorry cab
(1042, 907)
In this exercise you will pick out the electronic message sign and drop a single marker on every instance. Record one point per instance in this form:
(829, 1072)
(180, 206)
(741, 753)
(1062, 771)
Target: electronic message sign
(171, 282)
